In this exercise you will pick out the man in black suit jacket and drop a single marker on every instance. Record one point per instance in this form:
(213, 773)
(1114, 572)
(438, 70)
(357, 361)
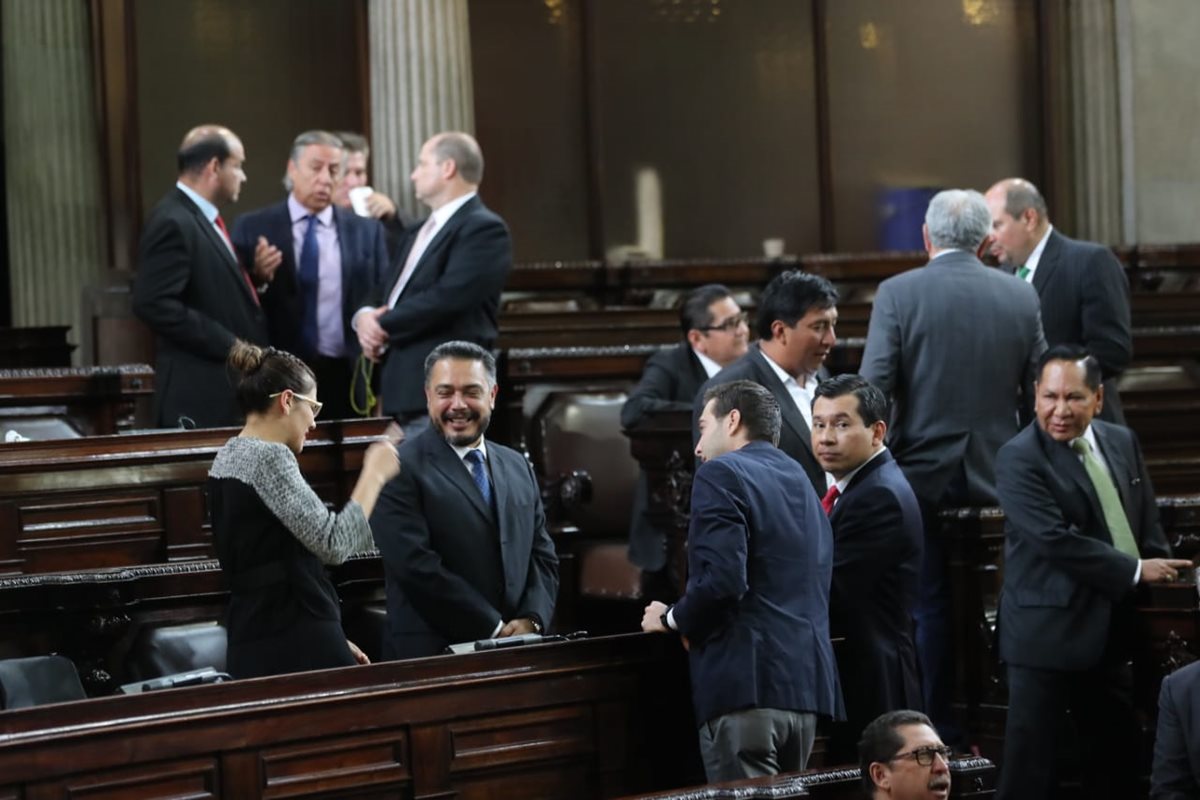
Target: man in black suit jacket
(351, 258)
(1081, 531)
(755, 615)
(797, 314)
(446, 283)
(1083, 290)
(1176, 771)
(189, 288)
(877, 542)
(461, 529)
(715, 335)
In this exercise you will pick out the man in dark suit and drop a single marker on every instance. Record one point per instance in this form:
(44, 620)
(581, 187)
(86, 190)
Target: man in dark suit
(1081, 531)
(797, 314)
(189, 288)
(954, 345)
(1176, 771)
(715, 335)
(1083, 290)
(446, 283)
(877, 542)
(461, 529)
(755, 615)
(319, 263)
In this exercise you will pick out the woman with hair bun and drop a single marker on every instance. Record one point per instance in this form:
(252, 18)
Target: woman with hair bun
(273, 535)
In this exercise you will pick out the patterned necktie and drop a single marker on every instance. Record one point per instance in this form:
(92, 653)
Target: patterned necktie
(480, 475)
(1110, 501)
(229, 242)
(830, 498)
(310, 279)
(1023, 273)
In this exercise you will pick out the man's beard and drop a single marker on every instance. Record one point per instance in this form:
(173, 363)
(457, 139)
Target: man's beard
(465, 438)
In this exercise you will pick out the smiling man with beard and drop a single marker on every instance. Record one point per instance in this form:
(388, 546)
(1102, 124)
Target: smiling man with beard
(462, 531)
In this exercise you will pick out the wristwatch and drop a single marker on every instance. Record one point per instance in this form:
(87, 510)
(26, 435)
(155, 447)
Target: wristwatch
(663, 619)
(536, 623)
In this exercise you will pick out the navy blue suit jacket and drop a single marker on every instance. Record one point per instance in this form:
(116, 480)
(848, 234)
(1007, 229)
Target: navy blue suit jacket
(454, 293)
(453, 565)
(756, 608)
(877, 544)
(364, 264)
(1176, 771)
(1062, 575)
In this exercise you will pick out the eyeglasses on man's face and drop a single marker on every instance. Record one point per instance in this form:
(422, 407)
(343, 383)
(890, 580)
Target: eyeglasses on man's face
(730, 325)
(314, 404)
(925, 755)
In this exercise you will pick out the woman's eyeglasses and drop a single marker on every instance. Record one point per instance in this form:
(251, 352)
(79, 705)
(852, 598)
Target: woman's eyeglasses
(316, 405)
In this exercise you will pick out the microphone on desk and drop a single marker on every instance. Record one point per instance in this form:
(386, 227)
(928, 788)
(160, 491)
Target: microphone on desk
(509, 641)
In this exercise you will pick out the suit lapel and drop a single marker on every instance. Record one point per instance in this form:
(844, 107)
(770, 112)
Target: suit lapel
(343, 229)
(791, 415)
(447, 462)
(1118, 464)
(502, 490)
(1065, 462)
(868, 468)
(217, 242)
(281, 233)
(1047, 263)
(437, 242)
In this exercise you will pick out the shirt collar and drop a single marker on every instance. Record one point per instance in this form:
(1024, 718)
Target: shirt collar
(462, 451)
(1036, 256)
(206, 208)
(298, 212)
(444, 213)
(710, 367)
(1088, 436)
(947, 251)
(810, 382)
(845, 481)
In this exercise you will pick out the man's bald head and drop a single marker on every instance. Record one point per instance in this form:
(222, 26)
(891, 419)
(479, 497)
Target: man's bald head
(210, 162)
(1019, 220)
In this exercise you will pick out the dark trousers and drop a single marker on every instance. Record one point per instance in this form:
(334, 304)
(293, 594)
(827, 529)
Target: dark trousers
(935, 642)
(1102, 719)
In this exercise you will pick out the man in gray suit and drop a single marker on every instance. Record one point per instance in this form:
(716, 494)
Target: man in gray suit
(797, 314)
(956, 346)
(1083, 290)
(461, 528)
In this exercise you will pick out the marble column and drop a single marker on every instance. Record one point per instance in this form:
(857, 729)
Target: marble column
(1087, 109)
(420, 84)
(56, 220)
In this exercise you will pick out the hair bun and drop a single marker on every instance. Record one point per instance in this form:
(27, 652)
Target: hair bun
(246, 358)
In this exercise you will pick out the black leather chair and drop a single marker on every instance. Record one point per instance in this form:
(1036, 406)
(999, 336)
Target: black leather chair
(171, 649)
(38, 680)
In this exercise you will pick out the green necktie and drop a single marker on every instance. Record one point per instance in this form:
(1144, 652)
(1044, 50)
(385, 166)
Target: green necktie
(1110, 501)
(1023, 273)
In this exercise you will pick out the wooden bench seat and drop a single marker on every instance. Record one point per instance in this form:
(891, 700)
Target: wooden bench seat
(90, 401)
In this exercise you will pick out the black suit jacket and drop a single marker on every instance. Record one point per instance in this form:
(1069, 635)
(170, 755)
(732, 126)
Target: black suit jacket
(877, 544)
(191, 292)
(364, 265)
(669, 382)
(454, 567)
(454, 293)
(756, 608)
(1085, 301)
(1062, 576)
(1176, 771)
(795, 438)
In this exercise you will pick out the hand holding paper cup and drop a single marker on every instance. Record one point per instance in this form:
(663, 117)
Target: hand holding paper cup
(358, 199)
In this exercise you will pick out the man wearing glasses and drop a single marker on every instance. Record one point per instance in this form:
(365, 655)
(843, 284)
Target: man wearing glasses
(902, 757)
(715, 335)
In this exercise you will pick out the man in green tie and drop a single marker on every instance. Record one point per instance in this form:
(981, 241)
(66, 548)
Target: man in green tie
(1081, 532)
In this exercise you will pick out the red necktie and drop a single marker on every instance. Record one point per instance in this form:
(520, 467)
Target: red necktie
(249, 283)
(829, 498)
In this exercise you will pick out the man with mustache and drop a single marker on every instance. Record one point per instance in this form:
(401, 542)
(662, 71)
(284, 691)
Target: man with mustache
(902, 757)
(461, 529)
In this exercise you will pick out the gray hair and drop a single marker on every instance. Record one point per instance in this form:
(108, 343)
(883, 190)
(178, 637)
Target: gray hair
(958, 218)
(463, 150)
(304, 140)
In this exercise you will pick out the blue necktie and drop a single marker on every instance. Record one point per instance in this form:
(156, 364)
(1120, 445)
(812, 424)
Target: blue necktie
(310, 278)
(479, 474)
